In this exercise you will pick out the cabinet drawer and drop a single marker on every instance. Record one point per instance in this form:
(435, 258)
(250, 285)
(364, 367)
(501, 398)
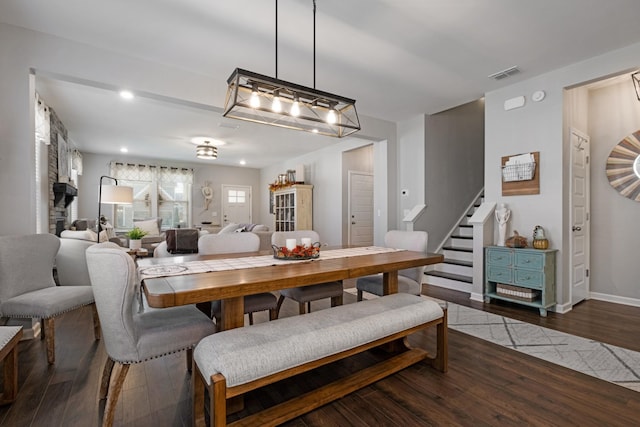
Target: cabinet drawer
(499, 274)
(529, 278)
(500, 257)
(534, 261)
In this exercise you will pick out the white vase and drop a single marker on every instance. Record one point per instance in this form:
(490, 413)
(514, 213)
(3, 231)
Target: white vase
(135, 244)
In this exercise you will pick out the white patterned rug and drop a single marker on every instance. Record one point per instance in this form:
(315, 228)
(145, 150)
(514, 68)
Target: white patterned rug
(603, 361)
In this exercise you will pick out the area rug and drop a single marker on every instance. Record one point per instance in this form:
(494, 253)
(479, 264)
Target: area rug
(604, 361)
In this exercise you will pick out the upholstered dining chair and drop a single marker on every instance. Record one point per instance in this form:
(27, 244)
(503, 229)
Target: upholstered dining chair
(28, 289)
(410, 279)
(227, 243)
(303, 295)
(130, 335)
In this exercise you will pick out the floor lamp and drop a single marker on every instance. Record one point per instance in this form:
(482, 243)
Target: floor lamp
(112, 195)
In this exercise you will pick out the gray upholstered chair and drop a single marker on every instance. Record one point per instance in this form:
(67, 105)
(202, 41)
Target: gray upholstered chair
(305, 294)
(27, 286)
(226, 243)
(130, 335)
(410, 279)
(71, 262)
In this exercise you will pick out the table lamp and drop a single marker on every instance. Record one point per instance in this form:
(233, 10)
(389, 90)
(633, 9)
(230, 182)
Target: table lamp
(112, 195)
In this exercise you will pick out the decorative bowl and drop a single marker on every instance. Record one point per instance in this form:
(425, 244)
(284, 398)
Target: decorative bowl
(297, 253)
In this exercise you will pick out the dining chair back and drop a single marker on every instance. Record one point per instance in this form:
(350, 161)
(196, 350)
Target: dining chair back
(228, 243)
(410, 279)
(304, 295)
(71, 262)
(129, 334)
(27, 286)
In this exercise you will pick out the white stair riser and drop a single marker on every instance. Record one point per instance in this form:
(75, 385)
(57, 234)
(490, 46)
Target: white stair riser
(462, 256)
(465, 231)
(447, 283)
(461, 243)
(454, 268)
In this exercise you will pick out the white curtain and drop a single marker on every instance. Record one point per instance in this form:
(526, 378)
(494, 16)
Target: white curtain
(163, 174)
(43, 122)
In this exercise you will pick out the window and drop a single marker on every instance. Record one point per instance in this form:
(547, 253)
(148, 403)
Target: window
(236, 196)
(158, 191)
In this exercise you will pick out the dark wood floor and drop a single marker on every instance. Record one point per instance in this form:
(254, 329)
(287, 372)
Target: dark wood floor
(487, 385)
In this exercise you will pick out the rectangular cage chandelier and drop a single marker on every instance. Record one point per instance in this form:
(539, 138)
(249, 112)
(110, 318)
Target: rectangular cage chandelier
(262, 99)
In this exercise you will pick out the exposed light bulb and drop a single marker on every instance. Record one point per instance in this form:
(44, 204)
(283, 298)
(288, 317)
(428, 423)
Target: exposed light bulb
(126, 94)
(276, 105)
(295, 108)
(314, 130)
(254, 101)
(332, 117)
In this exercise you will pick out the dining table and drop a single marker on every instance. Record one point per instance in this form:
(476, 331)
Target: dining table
(194, 279)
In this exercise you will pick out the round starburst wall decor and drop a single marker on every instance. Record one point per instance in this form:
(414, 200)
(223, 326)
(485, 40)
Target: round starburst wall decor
(623, 167)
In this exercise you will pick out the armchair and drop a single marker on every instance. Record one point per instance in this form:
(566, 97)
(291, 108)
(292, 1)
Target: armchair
(27, 287)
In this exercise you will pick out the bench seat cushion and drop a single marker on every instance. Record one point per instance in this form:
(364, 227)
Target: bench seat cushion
(245, 354)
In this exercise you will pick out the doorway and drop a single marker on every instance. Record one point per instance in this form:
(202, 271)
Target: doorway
(579, 242)
(236, 204)
(360, 208)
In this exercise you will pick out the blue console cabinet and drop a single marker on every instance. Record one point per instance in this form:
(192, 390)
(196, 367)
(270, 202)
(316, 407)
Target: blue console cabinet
(511, 273)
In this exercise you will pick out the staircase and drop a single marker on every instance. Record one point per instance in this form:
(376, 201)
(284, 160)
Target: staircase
(456, 272)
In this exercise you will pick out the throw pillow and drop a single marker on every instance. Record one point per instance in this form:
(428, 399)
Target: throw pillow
(82, 235)
(229, 228)
(150, 226)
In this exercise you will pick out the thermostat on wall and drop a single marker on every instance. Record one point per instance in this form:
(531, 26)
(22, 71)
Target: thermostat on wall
(512, 103)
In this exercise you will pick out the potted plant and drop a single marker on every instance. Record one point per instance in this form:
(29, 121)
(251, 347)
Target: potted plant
(135, 235)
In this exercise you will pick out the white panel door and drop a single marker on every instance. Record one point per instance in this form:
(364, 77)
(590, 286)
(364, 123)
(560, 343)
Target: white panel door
(579, 241)
(236, 204)
(360, 208)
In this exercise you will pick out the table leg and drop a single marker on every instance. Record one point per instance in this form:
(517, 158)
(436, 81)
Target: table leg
(390, 283)
(232, 313)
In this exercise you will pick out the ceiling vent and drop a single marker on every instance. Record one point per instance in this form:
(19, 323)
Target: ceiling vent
(505, 73)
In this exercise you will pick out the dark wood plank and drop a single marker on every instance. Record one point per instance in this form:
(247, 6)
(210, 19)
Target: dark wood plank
(486, 384)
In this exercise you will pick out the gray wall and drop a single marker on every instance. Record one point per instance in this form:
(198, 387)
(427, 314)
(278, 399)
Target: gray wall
(614, 113)
(543, 126)
(95, 165)
(454, 167)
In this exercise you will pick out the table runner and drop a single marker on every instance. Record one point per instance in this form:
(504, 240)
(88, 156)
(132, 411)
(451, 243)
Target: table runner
(195, 267)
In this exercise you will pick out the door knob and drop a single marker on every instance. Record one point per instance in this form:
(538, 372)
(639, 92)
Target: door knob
(574, 228)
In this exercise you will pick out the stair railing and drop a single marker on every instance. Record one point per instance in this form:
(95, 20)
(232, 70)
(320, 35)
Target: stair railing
(483, 235)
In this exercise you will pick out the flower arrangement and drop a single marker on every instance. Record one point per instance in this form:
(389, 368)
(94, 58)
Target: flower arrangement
(136, 233)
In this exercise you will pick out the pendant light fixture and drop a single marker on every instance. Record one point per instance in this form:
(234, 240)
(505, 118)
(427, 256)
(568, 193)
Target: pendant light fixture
(206, 151)
(262, 99)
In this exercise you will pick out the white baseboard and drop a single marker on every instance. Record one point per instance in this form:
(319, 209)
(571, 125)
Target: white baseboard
(615, 299)
(476, 297)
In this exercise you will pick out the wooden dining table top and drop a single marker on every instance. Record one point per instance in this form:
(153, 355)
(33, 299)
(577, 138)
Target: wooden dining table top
(231, 284)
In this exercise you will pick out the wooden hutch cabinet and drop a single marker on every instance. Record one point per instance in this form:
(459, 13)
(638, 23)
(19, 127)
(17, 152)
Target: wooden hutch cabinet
(293, 208)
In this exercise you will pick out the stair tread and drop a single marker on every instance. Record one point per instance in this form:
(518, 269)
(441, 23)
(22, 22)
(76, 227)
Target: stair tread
(458, 236)
(457, 248)
(451, 276)
(458, 262)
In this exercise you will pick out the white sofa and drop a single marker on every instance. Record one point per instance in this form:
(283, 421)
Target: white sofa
(261, 230)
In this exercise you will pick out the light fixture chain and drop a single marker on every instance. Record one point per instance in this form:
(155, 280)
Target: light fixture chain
(276, 39)
(314, 44)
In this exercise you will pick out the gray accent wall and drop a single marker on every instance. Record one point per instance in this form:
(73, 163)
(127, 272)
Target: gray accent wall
(454, 167)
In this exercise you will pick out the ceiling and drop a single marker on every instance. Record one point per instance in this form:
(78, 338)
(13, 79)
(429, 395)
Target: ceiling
(398, 59)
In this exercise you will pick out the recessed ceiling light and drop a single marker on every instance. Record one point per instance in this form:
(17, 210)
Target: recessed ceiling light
(198, 140)
(243, 162)
(126, 94)
(124, 150)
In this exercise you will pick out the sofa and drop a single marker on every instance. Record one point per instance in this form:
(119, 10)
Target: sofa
(155, 234)
(261, 230)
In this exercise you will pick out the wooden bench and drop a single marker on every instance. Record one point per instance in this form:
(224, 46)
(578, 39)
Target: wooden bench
(233, 362)
(9, 338)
